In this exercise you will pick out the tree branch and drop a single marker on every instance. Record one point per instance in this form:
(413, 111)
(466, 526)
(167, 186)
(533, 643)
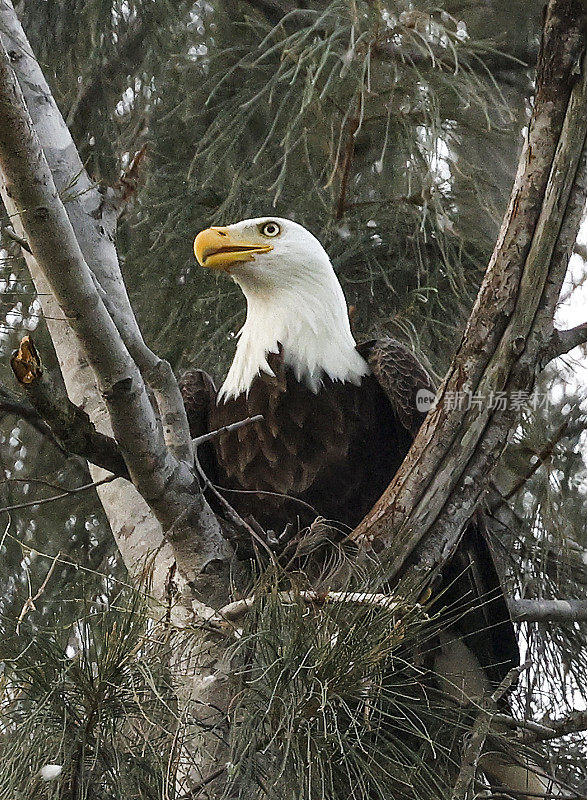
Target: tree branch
(532, 732)
(438, 486)
(23, 409)
(70, 425)
(576, 722)
(93, 212)
(538, 460)
(561, 342)
(479, 733)
(167, 484)
(563, 611)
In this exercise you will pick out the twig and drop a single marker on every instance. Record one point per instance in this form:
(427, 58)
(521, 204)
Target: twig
(479, 734)
(231, 512)
(347, 162)
(234, 426)
(540, 457)
(30, 601)
(68, 493)
(195, 790)
(12, 234)
(126, 186)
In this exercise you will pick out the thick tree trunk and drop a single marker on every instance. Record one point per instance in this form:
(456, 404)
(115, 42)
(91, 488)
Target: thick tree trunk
(436, 490)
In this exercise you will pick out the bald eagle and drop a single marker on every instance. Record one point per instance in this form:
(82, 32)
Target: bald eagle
(338, 420)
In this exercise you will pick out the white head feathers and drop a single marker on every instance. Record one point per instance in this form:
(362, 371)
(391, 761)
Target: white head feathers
(293, 298)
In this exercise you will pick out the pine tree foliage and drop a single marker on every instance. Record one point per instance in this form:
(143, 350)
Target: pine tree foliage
(391, 130)
(93, 698)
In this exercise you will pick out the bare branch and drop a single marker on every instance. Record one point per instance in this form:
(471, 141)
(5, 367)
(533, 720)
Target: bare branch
(167, 484)
(126, 186)
(575, 722)
(67, 493)
(234, 426)
(524, 724)
(539, 459)
(70, 425)
(347, 162)
(561, 342)
(30, 601)
(196, 791)
(563, 611)
(229, 615)
(479, 733)
(93, 212)
(438, 486)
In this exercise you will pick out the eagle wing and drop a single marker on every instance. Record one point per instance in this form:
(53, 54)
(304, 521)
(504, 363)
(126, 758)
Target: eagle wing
(471, 592)
(401, 376)
(199, 395)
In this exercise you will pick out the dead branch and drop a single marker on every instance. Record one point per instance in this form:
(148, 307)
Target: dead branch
(539, 458)
(438, 486)
(229, 618)
(70, 425)
(234, 426)
(31, 599)
(562, 611)
(126, 186)
(479, 733)
(67, 493)
(347, 162)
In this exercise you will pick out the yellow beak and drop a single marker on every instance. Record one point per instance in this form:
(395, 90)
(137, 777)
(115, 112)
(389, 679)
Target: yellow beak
(220, 248)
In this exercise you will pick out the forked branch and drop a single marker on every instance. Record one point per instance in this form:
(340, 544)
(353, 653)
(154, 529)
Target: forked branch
(435, 492)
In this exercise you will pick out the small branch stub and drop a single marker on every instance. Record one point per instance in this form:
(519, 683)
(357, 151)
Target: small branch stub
(25, 362)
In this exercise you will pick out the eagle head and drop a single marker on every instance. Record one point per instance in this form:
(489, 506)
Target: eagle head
(294, 302)
(264, 254)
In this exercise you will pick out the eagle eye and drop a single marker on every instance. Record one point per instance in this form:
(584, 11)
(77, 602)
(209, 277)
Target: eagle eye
(271, 229)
